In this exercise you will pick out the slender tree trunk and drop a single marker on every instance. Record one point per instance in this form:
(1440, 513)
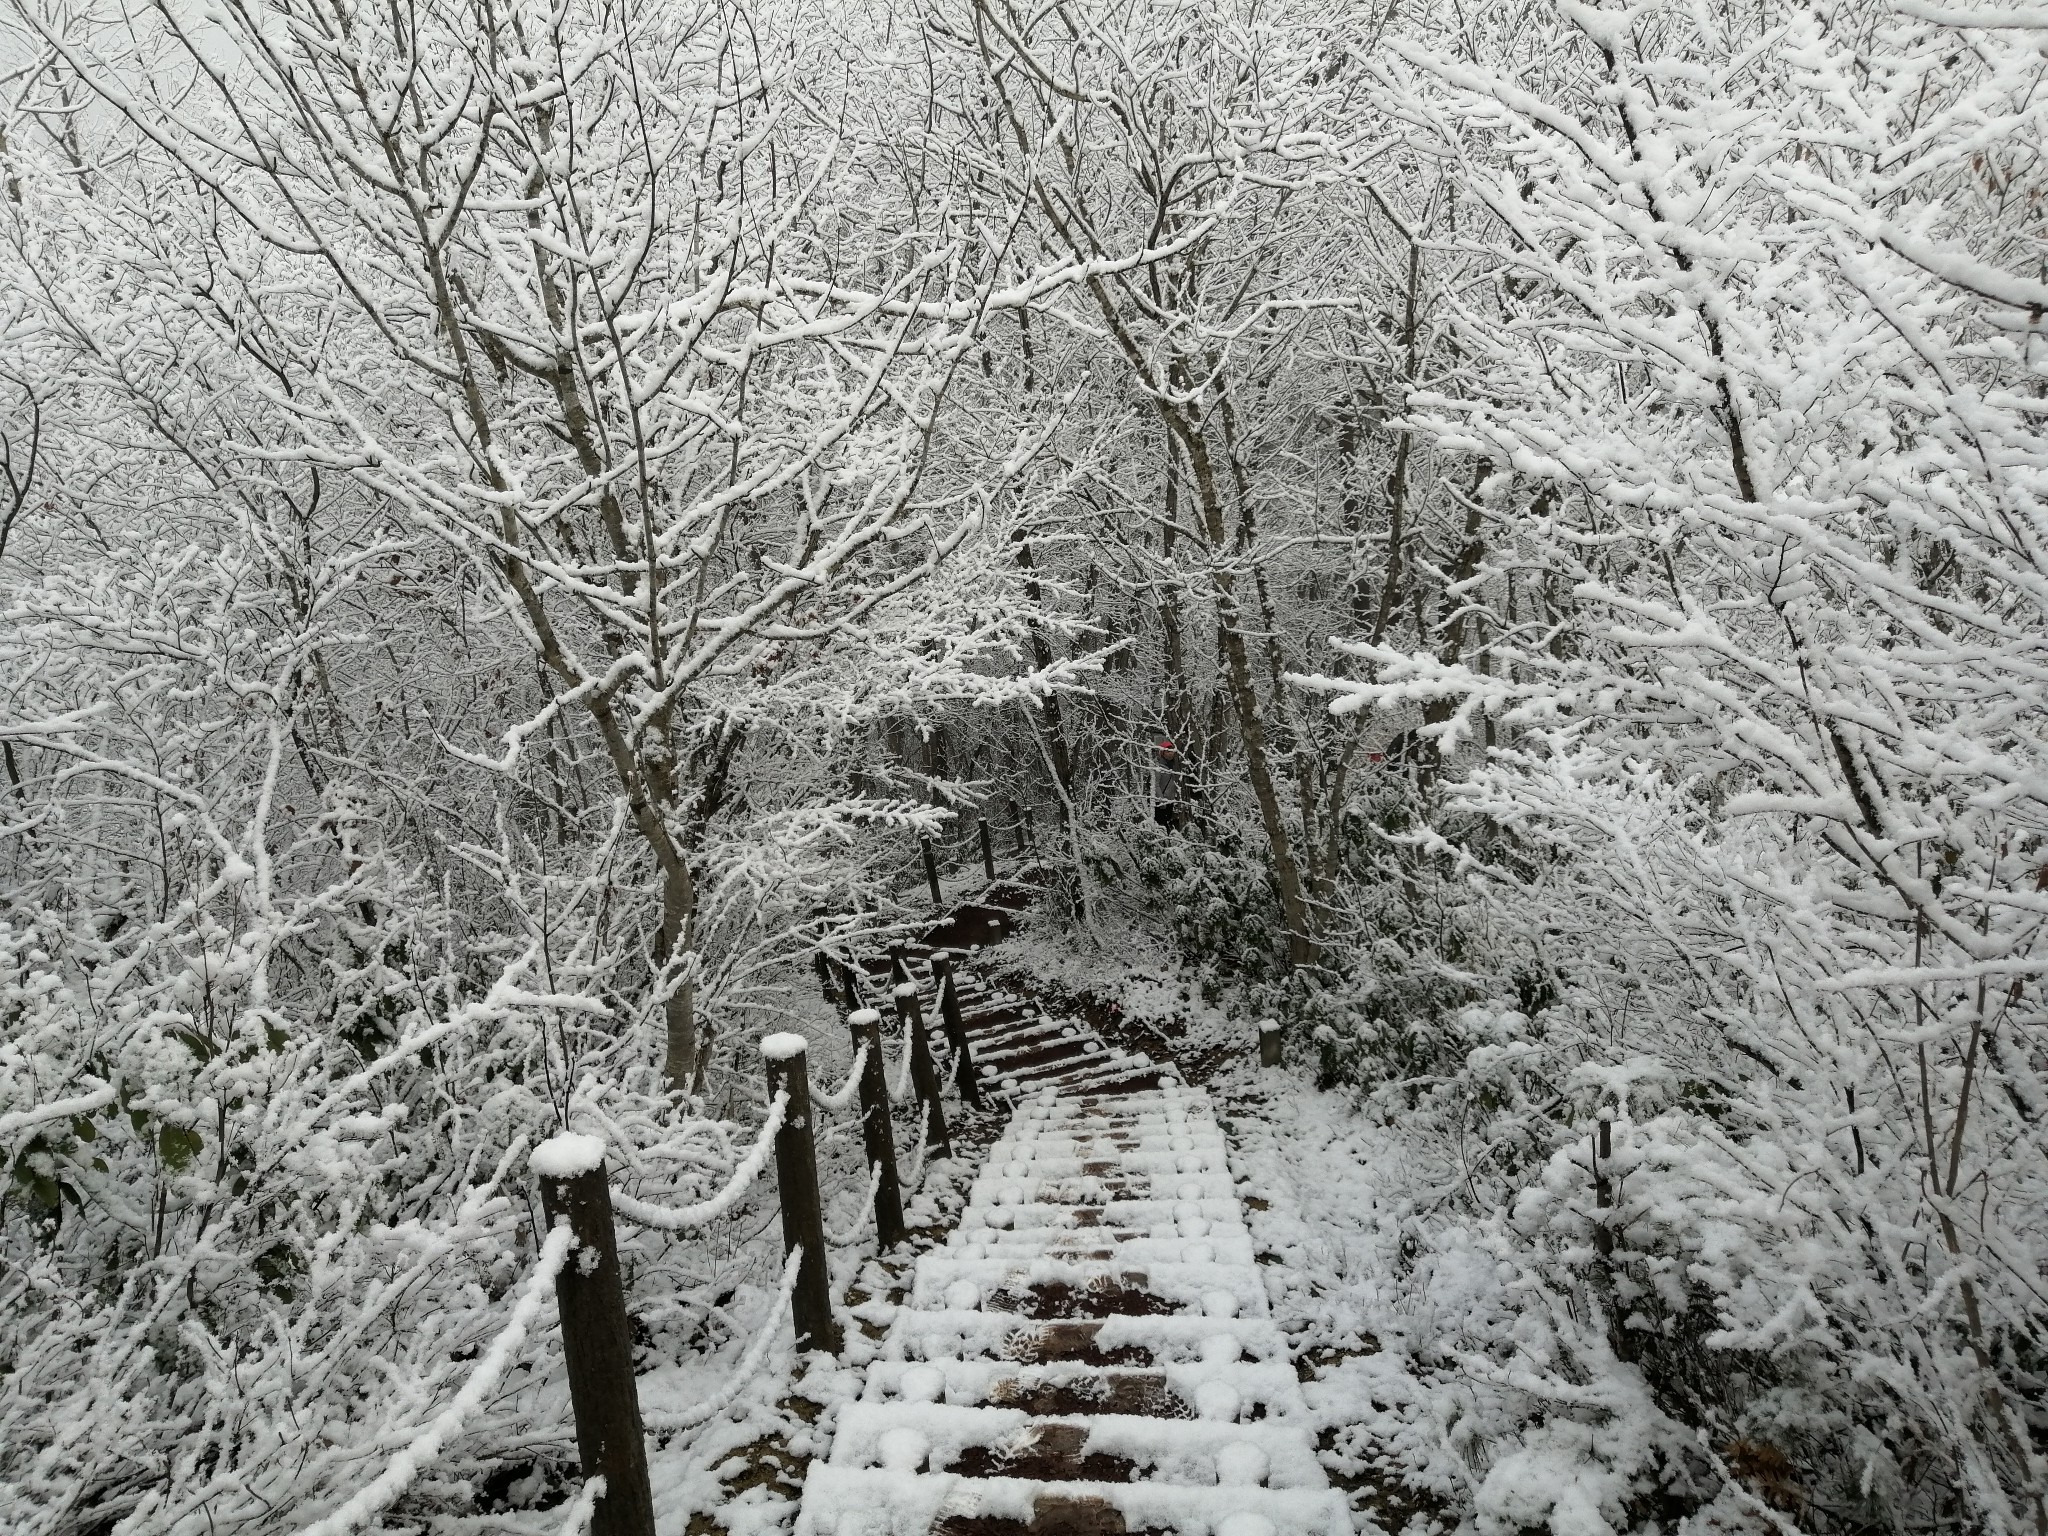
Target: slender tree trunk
(1244, 695)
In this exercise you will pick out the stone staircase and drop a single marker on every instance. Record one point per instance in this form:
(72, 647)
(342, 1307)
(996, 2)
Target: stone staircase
(1019, 1050)
(1091, 1354)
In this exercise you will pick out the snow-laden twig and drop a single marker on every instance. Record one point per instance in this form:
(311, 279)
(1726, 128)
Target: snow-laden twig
(842, 1096)
(749, 1365)
(668, 1219)
(421, 1450)
(59, 1109)
(861, 1218)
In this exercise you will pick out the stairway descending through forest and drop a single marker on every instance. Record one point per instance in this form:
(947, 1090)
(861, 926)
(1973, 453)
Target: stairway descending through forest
(1091, 1354)
(1018, 1048)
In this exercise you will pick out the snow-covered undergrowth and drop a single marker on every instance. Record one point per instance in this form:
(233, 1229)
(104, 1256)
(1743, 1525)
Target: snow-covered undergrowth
(1460, 1382)
(270, 1267)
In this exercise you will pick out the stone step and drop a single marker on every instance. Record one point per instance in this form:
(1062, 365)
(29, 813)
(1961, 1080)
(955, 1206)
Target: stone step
(1250, 1390)
(1004, 1286)
(866, 1501)
(942, 1437)
(1221, 1246)
(947, 1334)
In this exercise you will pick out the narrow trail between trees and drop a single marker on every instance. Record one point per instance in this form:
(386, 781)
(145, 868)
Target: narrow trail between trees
(1091, 1354)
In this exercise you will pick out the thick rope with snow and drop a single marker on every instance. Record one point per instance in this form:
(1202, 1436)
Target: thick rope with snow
(583, 1507)
(842, 1096)
(421, 1450)
(924, 1131)
(749, 1366)
(901, 1090)
(867, 1211)
(671, 1220)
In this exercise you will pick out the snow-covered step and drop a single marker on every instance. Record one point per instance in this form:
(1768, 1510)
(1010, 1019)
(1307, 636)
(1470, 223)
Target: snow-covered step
(1156, 1340)
(1162, 1180)
(940, 1437)
(850, 1501)
(1217, 1290)
(1070, 1075)
(1148, 1121)
(1231, 1390)
(1014, 1206)
(1222, 1245)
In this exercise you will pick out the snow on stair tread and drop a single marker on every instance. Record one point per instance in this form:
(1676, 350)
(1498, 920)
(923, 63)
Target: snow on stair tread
(1258, 1387)
(1073, 1069)
(1208, 1290)
(1186, 1451)
(1092, 1350)
(1115, 1244)
(1084, 1074)
(949, 1334)
(1128, 1183)
(847, 1501)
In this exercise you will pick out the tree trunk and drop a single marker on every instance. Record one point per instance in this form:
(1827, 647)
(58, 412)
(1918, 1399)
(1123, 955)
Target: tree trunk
(1244, 696)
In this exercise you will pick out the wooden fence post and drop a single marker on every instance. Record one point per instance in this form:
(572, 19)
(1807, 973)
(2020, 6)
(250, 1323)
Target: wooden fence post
(849, 991)
(1018, 807)
(956, 1031)
(796, 1177)
(1269, 1042)
(597, 1338)
(931, 871)
(988, 853)
(922, 1073)
(876, 1134)
(1603, 1188)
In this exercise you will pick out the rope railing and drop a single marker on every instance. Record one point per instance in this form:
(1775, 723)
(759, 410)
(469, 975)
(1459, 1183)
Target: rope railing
(667, 1219)
(842, 1097)
(583, 1508)
(900, 1089)
(865, 1215)
(749, 1366)
(915, 1177)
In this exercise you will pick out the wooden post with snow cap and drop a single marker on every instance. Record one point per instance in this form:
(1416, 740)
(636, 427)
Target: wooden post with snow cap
(988, 852)
(931, 871)
(796, 1175)
(956, 1030)
(597, 1338)
(879, 1141)
(1269, 1042)
(923, 1074)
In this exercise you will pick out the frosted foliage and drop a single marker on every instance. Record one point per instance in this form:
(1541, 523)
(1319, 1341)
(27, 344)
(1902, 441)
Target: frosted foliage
(523, 529)
(1753, 397)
